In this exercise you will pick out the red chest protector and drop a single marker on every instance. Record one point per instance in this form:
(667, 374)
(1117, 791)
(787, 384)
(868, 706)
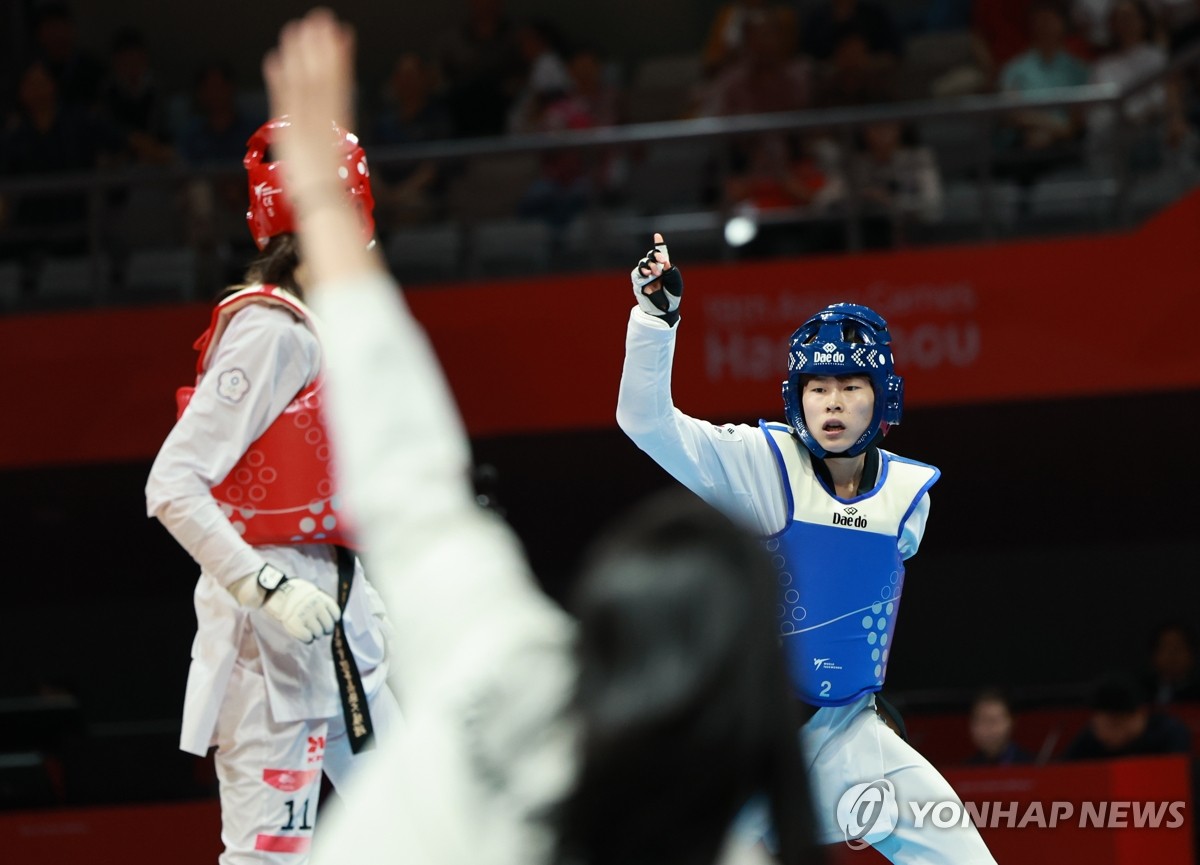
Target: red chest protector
(282, 491)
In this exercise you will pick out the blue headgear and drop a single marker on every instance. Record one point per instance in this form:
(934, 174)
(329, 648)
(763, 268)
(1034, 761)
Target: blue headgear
(844, 339)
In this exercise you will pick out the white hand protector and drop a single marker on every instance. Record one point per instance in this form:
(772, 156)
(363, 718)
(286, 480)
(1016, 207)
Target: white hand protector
(656, 267)
(247, 591)
(304, 610)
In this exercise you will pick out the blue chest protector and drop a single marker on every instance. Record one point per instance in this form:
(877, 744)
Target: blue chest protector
(841, 573)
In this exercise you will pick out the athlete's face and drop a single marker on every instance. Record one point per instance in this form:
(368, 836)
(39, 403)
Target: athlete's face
(837, 409)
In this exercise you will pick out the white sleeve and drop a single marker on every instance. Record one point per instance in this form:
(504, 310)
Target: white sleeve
(264, 358)
(730, 466)
(454, 577)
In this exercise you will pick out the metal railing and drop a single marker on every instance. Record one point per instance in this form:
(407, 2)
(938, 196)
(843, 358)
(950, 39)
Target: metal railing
(984, 112)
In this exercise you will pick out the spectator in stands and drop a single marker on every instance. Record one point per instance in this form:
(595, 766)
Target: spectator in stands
(49, 137)
(767, 74)
(1123, 724)
(1001, 33)
(596, 85)
(826, 23)
(77, 73)
(991, 729)
(1039, 140)
(549, 104)
(726, 32)
(1156, 114)
(769, 171)
(215, 135)
(1092, 17)
(1172, 676)
(412, 110)
(217, 130)
(597, 91)
(1134, 51)
(480, 62)
(1046, 65)
(133, 101)
(780, 180)
(1095, 20)
(852, 76)
(897, 180)
(543, 53)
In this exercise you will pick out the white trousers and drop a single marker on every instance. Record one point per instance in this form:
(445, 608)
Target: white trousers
(270, 773)
(850, 745)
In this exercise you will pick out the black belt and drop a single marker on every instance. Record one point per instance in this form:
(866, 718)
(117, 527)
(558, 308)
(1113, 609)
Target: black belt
(355, 710)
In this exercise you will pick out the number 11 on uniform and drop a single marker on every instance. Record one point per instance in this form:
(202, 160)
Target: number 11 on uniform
(291, 821)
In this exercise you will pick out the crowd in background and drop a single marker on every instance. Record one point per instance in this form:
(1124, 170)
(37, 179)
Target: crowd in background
(66, 109)
(1132, 712)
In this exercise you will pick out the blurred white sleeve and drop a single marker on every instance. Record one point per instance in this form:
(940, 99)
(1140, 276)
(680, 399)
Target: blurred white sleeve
(453, 575)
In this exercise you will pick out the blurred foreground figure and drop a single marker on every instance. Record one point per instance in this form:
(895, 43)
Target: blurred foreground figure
(636, 734)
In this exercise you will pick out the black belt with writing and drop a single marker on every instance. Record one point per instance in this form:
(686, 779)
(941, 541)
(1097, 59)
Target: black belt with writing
(355, 710)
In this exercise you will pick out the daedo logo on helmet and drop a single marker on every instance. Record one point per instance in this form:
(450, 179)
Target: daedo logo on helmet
(829, 355)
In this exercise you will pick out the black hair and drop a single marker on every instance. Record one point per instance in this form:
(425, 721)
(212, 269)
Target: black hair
(991, 694)
(683, 698)
(1118, 692)
(275, 265)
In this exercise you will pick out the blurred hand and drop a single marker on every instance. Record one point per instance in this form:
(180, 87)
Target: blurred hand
(310, 78)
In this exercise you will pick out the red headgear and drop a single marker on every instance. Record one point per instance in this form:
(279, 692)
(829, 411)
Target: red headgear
(270, 210)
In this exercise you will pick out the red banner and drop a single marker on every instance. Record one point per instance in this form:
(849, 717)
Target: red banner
(183, 833)
(1035, 319)
(1105, 812)
(1117, 812)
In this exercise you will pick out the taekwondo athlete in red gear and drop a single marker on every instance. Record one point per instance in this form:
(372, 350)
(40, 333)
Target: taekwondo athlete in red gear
(289, 668)
(841, 516)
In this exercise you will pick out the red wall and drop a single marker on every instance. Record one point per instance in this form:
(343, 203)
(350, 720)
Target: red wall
(189, 833)
(1044, 319)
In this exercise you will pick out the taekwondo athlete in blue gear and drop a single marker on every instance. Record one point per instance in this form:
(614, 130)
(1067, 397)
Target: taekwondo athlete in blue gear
(841, 516)
(841, 570)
